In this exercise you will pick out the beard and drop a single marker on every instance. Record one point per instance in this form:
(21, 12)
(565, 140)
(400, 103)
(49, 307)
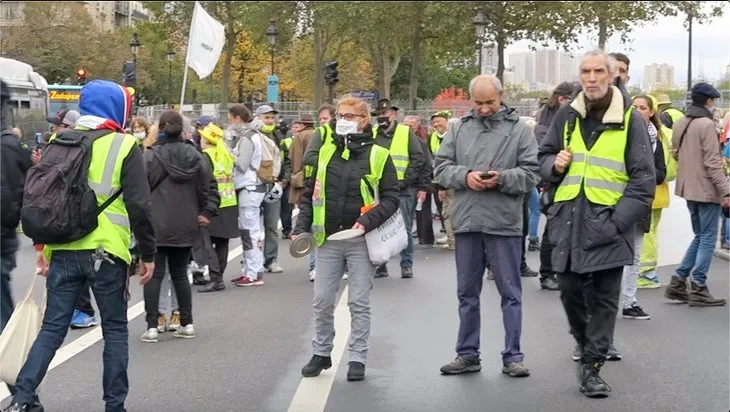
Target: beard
(597, 95)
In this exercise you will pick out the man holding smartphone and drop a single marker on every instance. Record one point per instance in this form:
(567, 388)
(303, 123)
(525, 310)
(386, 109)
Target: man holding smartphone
(496, 168)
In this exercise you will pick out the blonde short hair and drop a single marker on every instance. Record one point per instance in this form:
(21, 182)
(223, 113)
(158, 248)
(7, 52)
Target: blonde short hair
(359, 104)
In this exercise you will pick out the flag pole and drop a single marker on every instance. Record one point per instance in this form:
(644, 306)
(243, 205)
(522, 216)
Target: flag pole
(187, 57)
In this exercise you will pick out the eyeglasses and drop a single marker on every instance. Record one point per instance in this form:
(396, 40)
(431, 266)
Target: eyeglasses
(349, 116)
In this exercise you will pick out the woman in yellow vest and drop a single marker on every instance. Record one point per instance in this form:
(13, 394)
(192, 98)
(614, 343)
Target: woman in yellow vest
(355, 186)
(223, 227)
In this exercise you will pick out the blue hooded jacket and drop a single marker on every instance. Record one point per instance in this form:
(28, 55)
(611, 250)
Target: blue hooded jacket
(104, 105)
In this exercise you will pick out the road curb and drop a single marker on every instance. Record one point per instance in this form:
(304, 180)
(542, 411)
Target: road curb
(722, 254)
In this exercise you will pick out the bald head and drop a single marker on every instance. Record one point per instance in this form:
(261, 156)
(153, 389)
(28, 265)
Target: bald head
(486, 94)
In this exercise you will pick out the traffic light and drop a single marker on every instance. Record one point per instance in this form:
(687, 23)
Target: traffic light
(331, 73)
(129, 74)
(81, 77)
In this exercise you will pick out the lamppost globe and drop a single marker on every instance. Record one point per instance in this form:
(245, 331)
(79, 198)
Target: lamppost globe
(480, 24)
(272, 32)
(170, 55)
(135, 44)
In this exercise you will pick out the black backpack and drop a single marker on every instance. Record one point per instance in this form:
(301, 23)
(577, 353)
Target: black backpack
(58, 204)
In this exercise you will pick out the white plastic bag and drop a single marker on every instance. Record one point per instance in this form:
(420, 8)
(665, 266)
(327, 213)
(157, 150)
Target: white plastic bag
(387, 240)
(19, 335)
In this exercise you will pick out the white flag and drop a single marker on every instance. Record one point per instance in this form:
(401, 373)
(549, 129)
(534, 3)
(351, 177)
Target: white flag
(205, 42)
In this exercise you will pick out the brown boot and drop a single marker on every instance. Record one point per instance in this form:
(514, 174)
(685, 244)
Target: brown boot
(677, 290)
(700, 296)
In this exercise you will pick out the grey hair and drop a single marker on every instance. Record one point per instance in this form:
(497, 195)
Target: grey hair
(610, 61)
(495, 82)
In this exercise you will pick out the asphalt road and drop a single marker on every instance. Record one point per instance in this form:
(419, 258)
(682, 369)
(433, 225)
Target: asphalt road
(252, 342)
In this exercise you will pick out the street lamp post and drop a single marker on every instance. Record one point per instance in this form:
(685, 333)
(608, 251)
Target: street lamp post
(689, 57)
(170, 55)
(480, 23)
(273, 34)
(135, 45)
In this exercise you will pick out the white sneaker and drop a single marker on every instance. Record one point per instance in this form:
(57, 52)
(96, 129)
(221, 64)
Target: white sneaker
(442, 241)
(185, 332)
(345, 276)
(275, 268)
(150, 335)
(312, 274)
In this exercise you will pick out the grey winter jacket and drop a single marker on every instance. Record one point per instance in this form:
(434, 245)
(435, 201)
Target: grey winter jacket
(589, 237)
(503, 143)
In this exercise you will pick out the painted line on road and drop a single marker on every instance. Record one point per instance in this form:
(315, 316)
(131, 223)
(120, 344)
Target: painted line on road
(312, 393)
(86, 340)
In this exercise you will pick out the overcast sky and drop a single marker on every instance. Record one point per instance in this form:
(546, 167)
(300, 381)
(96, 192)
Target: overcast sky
(665, 41)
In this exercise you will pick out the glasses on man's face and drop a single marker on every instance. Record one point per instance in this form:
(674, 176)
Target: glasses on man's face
(349, 116)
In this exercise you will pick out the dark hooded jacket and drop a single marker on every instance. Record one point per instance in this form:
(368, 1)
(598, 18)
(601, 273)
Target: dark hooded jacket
(343, 200)
(180, 181)
(589, 237)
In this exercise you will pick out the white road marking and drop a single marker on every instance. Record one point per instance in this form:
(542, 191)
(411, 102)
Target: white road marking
(84, 341)
(312, 393)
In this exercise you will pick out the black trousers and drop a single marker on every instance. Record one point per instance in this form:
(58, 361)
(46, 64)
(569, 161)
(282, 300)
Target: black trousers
(176, 260)
(439, 207)
(285, 213)
(546, 254)
(591, 305)
(220, 246)
(525, 230)
(83, 303)
(424, 222)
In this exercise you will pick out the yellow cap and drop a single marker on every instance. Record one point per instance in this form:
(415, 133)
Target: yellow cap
(212, 133)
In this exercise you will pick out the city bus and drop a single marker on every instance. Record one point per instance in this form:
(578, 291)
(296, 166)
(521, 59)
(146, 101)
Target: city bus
(61, 96)
(28, 98)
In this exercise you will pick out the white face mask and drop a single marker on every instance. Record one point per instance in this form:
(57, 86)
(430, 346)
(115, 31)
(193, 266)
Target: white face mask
(140, 135)
(345, 127)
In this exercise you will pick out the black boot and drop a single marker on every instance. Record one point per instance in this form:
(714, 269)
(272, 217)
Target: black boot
(591, 383)
(215, 285)
(316, 365)
(549, 283)
(356, 372)
(381, 271)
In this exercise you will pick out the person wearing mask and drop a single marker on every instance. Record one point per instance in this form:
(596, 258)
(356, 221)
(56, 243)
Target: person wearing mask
(559, 97)
(647, 225)
(15, 164)
(440, 121)
(300, 142)
(140, 128)
(347, 161)
(272, 210)
(182, 201)
(701, 182)
(246, 142)
(424, 218)
(405, 150)
(489, 159)
(605, 183)
(225, 225)
(668, 115)
(104, 107)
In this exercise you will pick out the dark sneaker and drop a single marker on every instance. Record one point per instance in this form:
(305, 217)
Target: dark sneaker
(214, 286)
(516, 370)
(462, 365)
(406, 273)
(16, 407)
(591, 383)
(356, 372)
(700, 296)
(526, 272)
(613, 354)
(577, 352)
(677, 290)
(549, 283)
(381, 271)
(316, 365)
(490, 274)
(534, 245)
(635, 312)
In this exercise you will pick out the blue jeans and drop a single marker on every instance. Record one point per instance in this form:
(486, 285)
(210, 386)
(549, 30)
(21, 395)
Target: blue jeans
(698, 258)
(534, 208)
(406, 208)
(7, 264)
(726, 230)
(312, 259)
(69, 272)
(473, 252)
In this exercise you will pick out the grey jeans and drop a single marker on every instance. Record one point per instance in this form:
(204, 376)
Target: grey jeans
(272, 212)
(331, 258)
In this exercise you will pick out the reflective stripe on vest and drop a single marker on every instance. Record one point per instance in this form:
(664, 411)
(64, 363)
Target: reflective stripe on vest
(600, 172)
(399, 149)
(378, 158)
(434, 143)
(223, 178)
(105, 178)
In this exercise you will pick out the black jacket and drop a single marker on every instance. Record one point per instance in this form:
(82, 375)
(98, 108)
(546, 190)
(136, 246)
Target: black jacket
(183, 187)
(426, 182)
(589, 237)
(342, 190)
(413, 176)
(15, 164)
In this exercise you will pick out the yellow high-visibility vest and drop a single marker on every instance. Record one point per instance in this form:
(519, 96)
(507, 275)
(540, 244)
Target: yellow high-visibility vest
(399, 149)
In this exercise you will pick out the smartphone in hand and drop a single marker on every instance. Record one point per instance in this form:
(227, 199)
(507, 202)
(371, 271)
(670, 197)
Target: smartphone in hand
(487, 175)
